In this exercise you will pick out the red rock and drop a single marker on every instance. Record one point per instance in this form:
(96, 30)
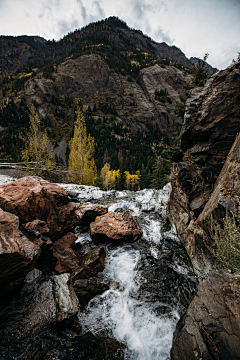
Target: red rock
(18, 255)
(63, 254)
(115, 227)
(33, 198)
(37, 231)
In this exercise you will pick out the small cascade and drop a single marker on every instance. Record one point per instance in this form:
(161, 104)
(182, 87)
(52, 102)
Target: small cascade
(154, 276)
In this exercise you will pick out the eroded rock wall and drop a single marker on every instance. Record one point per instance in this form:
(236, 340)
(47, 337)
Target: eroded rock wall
(205, 183)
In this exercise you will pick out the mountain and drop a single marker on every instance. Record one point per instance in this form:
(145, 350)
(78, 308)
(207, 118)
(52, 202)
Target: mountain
(128, 85)
(211, 70)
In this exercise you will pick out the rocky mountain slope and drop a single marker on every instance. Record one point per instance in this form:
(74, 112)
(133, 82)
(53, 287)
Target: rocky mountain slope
(127, 83)
(205, 185)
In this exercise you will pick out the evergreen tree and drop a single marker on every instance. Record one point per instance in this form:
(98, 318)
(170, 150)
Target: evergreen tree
(81, 165)
(161, 173)
(38, 154)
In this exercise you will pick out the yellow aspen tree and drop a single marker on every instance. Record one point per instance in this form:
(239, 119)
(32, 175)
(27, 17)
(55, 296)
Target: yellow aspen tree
(135, 182)
(81, 166)
(116, 177)
(38, 154)
(105, 176)
(127, 179)
(132, 180)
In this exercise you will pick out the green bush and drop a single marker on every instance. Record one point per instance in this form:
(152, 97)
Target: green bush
(227, 240)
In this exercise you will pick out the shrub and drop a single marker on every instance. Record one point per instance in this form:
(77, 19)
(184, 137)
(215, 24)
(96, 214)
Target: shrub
(227, 240)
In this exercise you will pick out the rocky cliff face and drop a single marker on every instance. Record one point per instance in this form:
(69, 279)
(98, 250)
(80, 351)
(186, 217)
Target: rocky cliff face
(205, 182)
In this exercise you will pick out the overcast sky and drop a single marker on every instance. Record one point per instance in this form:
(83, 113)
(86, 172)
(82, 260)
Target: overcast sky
(195, 26)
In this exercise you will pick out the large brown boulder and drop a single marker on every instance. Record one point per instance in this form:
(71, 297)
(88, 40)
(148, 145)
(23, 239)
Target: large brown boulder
(18, 254)
(87, 212)
(114, 227)
(63, 254)
(33, 198)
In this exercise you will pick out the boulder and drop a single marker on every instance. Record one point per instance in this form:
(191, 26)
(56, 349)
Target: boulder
(64, 256)
(114, 227)
(18, 255)
(91, 264)
(30, 281)
(54, 303)
(86, 289)
(48, 344)
(87, 212)
(33, 198)
(37, 231)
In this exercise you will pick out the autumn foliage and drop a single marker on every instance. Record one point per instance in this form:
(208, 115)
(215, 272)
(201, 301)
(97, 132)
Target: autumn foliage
(38, 154)
(81, 166)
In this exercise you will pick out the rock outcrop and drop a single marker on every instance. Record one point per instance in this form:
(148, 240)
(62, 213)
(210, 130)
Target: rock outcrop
(18, 255)
(34, 198)
(63, 255)
(115, 227)
(53, 303)
(86, 289)
(87, 212)
(205, 183)
(210, 327)
(212, 121)
(91, 264)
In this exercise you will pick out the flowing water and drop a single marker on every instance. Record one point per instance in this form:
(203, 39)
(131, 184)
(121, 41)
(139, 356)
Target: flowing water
(154, 276)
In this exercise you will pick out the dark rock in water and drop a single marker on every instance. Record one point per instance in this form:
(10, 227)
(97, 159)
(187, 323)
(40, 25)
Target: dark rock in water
(63, 254)
(18, 254)
(91, 264)
(86, 290)
(165, 287)
(210, 328)
(54, 303)
(30, 281)
(50, 345)
(33, 198)
(114, 227)
(88, 212)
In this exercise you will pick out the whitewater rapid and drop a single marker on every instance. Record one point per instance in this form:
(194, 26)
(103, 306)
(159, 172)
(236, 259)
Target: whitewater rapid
(123, 313)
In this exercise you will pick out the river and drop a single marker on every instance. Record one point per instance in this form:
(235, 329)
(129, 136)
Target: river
(154, 275)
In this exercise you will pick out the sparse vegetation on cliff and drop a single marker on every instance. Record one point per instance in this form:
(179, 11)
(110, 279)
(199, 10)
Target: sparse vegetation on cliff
(227, 240)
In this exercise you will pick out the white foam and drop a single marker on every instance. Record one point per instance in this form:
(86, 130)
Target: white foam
(5, 179)
(84, 238)
(147, 336)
